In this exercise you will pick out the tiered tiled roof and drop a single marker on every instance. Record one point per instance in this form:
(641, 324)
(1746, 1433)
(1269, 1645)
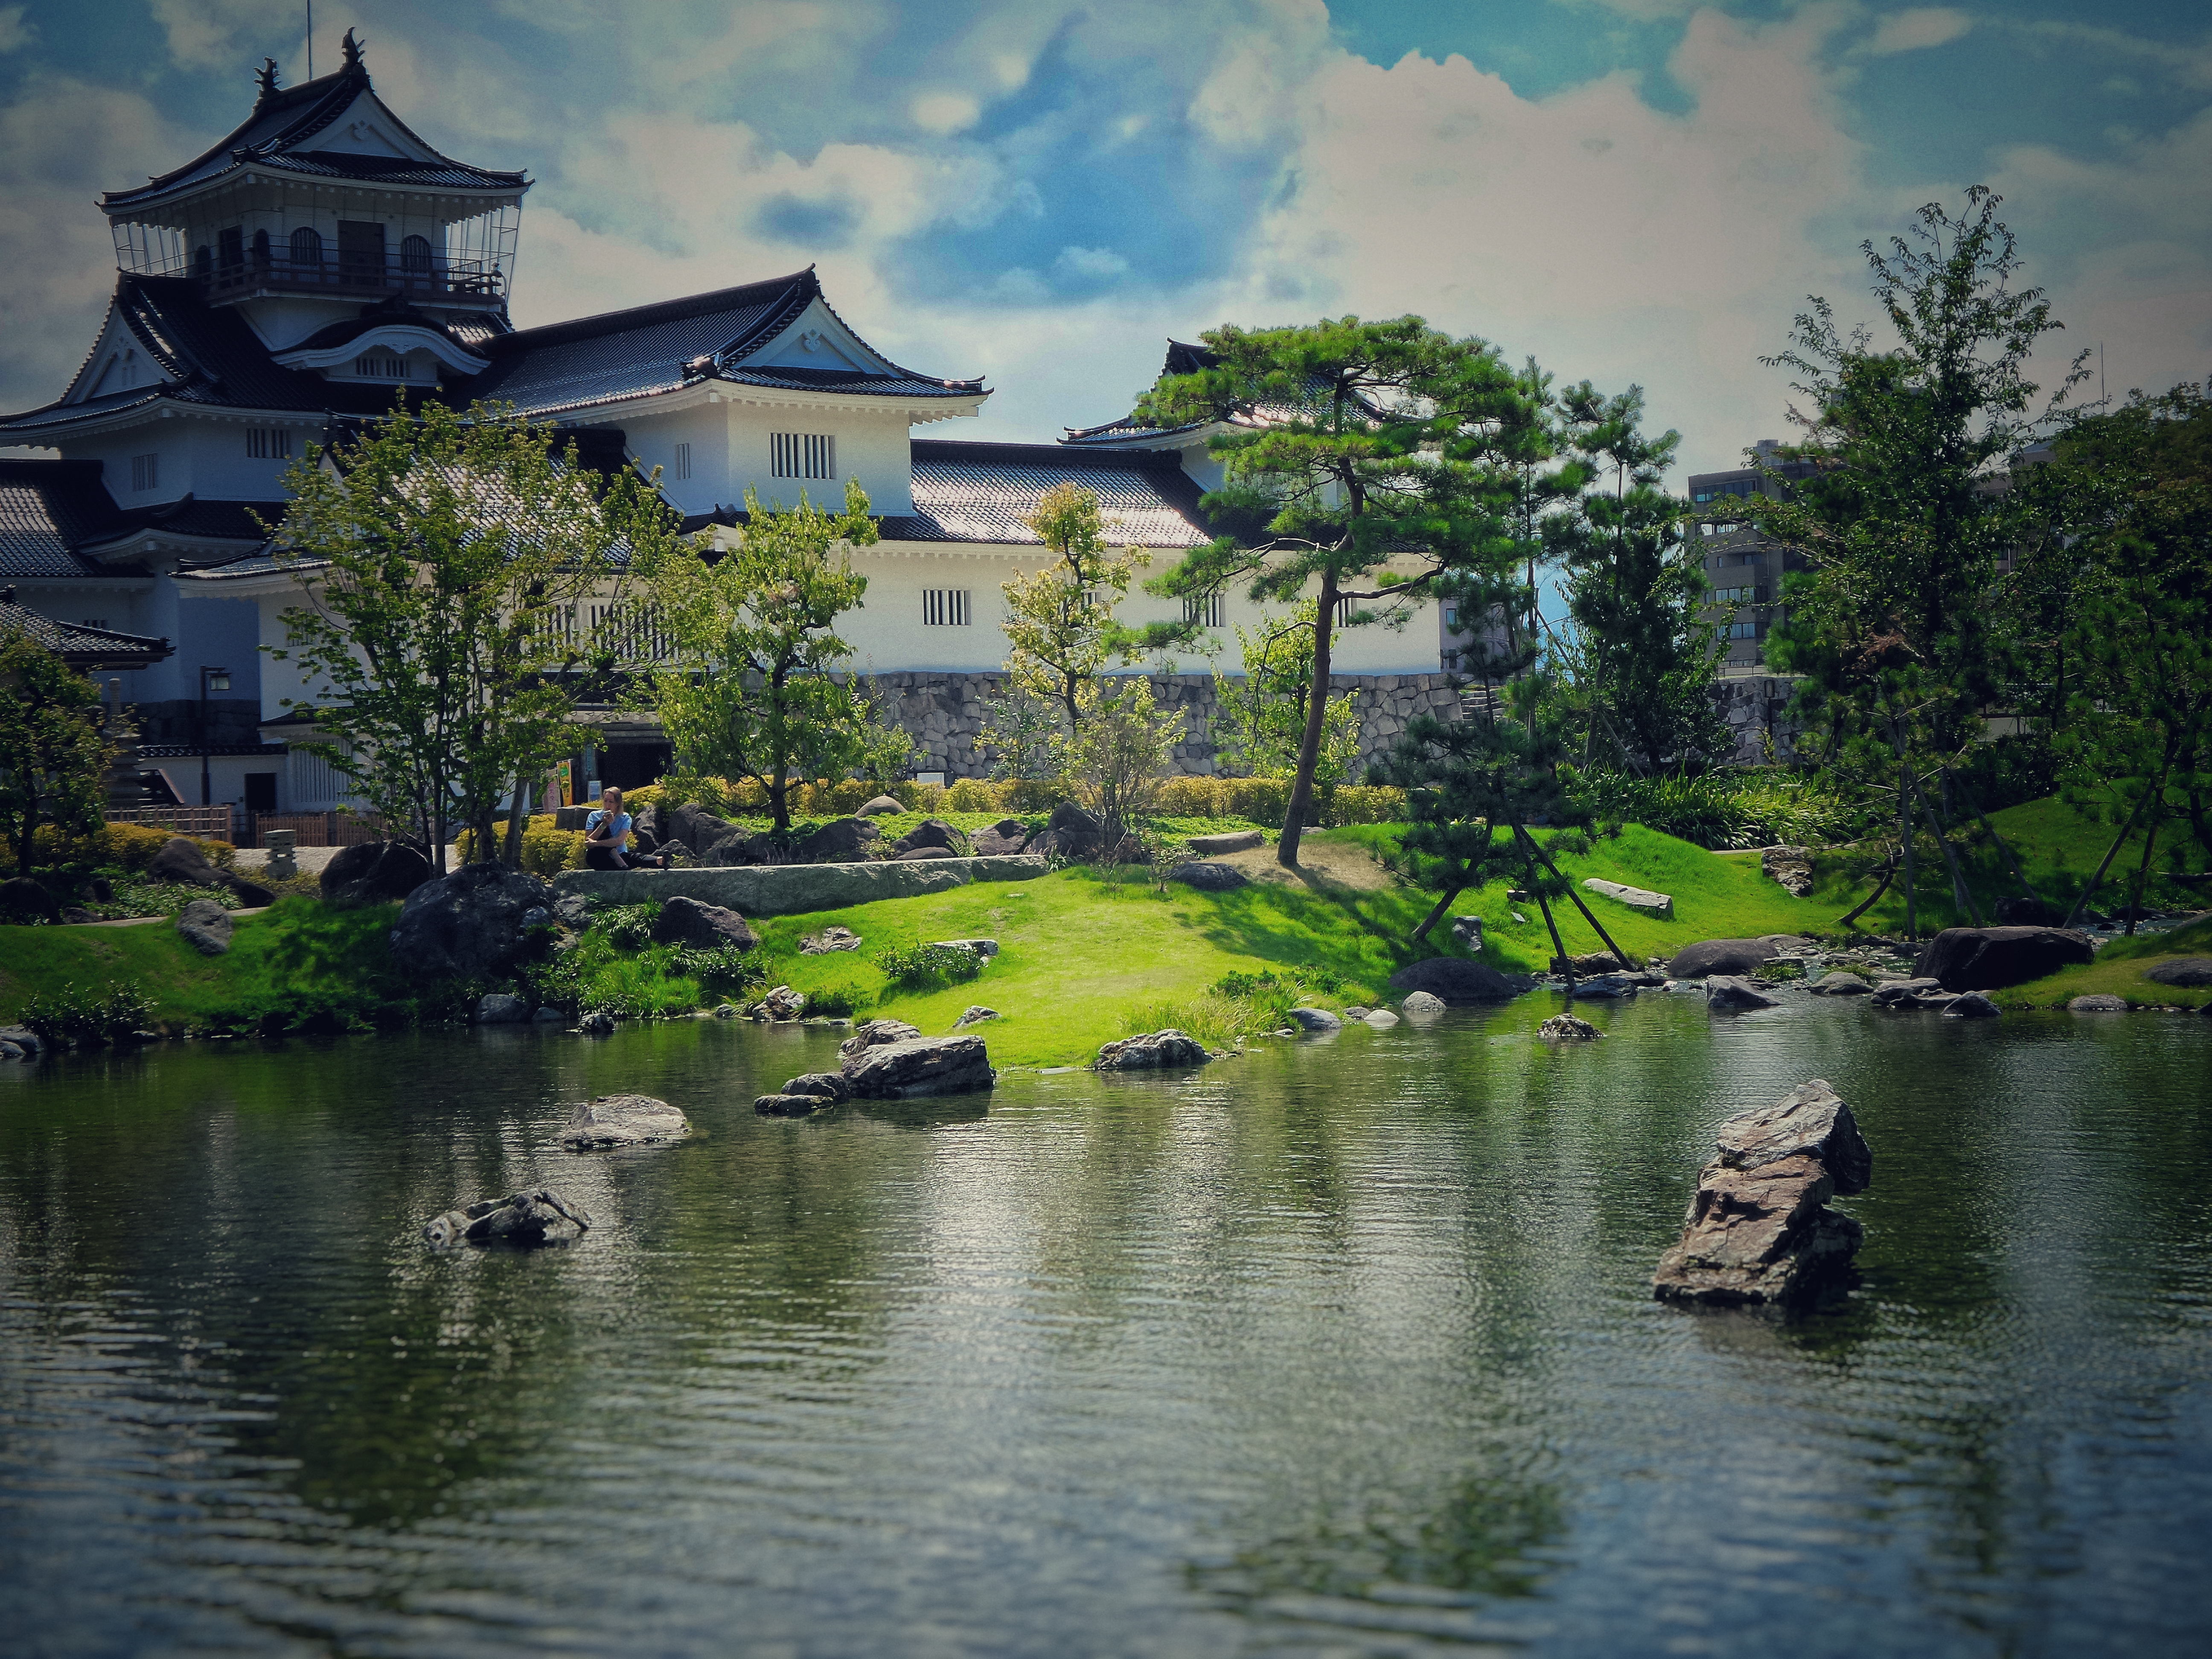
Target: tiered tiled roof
(80, 648)
(983, 492)
(282, 134)
(47, 510)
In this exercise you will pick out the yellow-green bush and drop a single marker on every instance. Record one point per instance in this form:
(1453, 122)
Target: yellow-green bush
(132, 845)
(1262, 801)
(545, 850)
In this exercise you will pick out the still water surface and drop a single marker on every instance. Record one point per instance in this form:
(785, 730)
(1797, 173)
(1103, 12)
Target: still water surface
(1346, 1348)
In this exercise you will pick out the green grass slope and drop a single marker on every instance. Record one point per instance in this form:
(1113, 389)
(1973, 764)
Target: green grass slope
(2121, 970)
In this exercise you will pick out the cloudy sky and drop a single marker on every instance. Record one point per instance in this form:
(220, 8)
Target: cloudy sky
(1043, 190)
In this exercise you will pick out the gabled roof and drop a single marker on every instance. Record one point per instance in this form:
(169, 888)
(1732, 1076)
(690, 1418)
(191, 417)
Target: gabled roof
(983, 492)
(83, 648)
(48, 509)
(648, 350)
(287, 133)
(1184, 358)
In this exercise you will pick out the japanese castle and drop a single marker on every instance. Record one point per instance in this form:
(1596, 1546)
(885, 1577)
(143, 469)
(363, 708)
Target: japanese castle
(284, 284)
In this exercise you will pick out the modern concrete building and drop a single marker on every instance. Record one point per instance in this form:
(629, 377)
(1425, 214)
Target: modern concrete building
(1744, 569)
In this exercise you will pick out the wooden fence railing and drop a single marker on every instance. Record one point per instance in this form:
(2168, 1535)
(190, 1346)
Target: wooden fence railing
(245, 828)
(213, 821)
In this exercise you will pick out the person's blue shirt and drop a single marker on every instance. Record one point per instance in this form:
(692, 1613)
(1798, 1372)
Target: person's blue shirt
(619, 837)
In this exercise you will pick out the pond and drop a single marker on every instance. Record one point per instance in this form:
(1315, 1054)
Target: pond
(1345, 1347)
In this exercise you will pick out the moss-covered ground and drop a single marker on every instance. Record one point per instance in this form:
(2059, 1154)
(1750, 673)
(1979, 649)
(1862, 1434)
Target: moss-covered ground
(1088, 955)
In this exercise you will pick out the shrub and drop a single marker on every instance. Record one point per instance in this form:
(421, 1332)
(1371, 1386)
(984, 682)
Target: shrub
(546, 851)
(627, 926)
(725, 966)
(977, 795)
(88, 1016)
(117, 846)
(919, 966)
(835, 1001)
(1725, 810)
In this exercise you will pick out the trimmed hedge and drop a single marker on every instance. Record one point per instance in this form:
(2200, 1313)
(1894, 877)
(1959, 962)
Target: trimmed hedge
(1257, 800)
(545, 850)
(125, 846)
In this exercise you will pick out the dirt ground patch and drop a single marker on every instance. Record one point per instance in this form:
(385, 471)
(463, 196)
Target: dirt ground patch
(1321, 863)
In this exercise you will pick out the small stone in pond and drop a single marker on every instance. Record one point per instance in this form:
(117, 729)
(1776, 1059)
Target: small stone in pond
(1567, 1028)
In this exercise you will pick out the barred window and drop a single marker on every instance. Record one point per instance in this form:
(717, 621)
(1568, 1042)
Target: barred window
(1345, 610)
(945, 607)
(146, 471)
(268, 443)
(383, 366)
(1205, 610)
(683, 460)
(802, 454)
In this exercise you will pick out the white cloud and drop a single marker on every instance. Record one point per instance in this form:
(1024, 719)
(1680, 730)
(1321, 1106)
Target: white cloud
(14, 32)
(946, 112)
(203, 34)
(1918, 30)
(1090, 262)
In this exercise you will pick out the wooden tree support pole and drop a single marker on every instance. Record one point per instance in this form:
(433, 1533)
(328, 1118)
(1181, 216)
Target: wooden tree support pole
(2098, 880)
(1536, 886)
(1619, 955)
(1443, 903)
(1867, 903)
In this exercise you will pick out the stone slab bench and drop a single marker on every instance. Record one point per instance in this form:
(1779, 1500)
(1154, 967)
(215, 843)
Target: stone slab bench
(1636, 898)
(791, 890)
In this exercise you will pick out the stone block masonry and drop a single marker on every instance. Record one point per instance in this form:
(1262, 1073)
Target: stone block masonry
(787, 890)
(945, 714)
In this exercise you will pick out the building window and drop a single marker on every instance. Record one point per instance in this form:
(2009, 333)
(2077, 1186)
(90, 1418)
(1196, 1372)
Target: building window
(683, 460)
(945, 607)
(307, 247)
(802, 455)
(146, 471)
(1206, 610)
(1739, 596)
(268, 443)
(1345, 610)
(383, 366)
(415, 256)
(230, 243)
(1742, 630)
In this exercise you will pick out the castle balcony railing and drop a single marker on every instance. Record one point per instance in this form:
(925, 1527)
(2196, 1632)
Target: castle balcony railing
(354, 277)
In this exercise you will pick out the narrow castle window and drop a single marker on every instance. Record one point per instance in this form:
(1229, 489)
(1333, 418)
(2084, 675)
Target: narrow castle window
(204, 262)
(146, 471)
(683, 460)
(231, 244)
(261, 250)
(268, 443)
(1207, 610)
(945, 607)
(308, 246)
(415, 256)
(802, 455)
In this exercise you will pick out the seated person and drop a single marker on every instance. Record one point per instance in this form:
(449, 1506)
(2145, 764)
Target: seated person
(608, 838)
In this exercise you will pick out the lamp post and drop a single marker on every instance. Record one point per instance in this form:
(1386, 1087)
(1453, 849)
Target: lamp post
(216, 679)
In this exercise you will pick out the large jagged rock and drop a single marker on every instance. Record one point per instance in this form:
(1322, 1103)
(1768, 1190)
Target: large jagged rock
(2188, 972)
(1726, 995)
(920, 1066)
(699, 927)
(932, 832)
(805, 1094)
(1789, 867)
(1004, 837)
(1709, 956)
(874, 1033)
(1207, 877)
(1990, 959)
(622, 1121)
(1456, 980)
(206, 926)
(1568, 1027)
(373, 872)
(832, 938)
(782, 1004)
(468, 925)
(975, 1014)
(841, 841)
(180, 860)
(500, 1009)
(1760, 1232)
(1070, 830)
(519, 1218)
(1153, 1051)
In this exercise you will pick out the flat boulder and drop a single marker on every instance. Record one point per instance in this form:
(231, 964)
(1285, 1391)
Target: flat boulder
(373, 872)
(622, 1121)
(2188, 972)
(529, 1217)
(925, 852)
(1608, 985)
(701, 926)
(500, 1009)
(790, 1105)
(918, 1067)
(1238, 841)
(1709, 956)
(23, 900)
(1154, 1051)
(206, 926)
(1456, 980)
(467, 925)
(1567, 1028)
(2099, 1002)
(1726, 995)
(1636, 898)
(1906, 992)
(1990, 959)
(1207, 878)
(1840, 983)
(180, 860)
(1759, 1231)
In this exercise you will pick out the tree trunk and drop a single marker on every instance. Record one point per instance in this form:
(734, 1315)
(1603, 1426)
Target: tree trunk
(1619, 955)
(1867, 903)
(1442, 904)
(518, 815)
(1961, 899)
(779, 801)
(1904, 821)
(1294, 818)
(26, 841)
(2111, 852)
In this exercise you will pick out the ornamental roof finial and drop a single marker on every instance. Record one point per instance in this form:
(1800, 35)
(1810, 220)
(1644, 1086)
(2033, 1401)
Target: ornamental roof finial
(266, 77)
(352, 51)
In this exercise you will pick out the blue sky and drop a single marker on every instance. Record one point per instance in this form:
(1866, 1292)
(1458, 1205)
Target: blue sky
(1631, 189)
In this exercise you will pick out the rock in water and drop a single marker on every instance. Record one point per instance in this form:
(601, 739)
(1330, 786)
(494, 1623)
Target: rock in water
(1972, 1005)
(596, 1023)
(1159, 1049)
(467, 925)
(783, 1003)
(1422, 1005)
(1721, 956)
(1838, 983)
(1315, 1019)
(1725, 995)
(1456, 980)
(2099, 1002)
(687, 921)
(518, 1218)
(498, 1009)
(1566, 1027)
(206, 926)
(829, 1087)
(903, 1070)
(873, 1033)
(1759, 1231)
(1990, 959)
(1608, 985)
(1207, 878)
(622, 1121)
(790, 1105)
(1380, 1019)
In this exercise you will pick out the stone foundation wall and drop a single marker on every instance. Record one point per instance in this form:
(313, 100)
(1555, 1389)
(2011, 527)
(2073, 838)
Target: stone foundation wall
(945, 714)
(1757, 709)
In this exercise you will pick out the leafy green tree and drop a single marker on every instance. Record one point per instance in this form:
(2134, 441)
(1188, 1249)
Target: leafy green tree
(1062, 633)
(1634, 592)
(1117, 761)
(53, 746)
(447, 563)
(1380, 458)
(1262, 713)
(760, 686)
(1908, 514)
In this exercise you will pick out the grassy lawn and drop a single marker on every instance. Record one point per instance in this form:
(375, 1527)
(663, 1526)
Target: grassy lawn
(2119, 971)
